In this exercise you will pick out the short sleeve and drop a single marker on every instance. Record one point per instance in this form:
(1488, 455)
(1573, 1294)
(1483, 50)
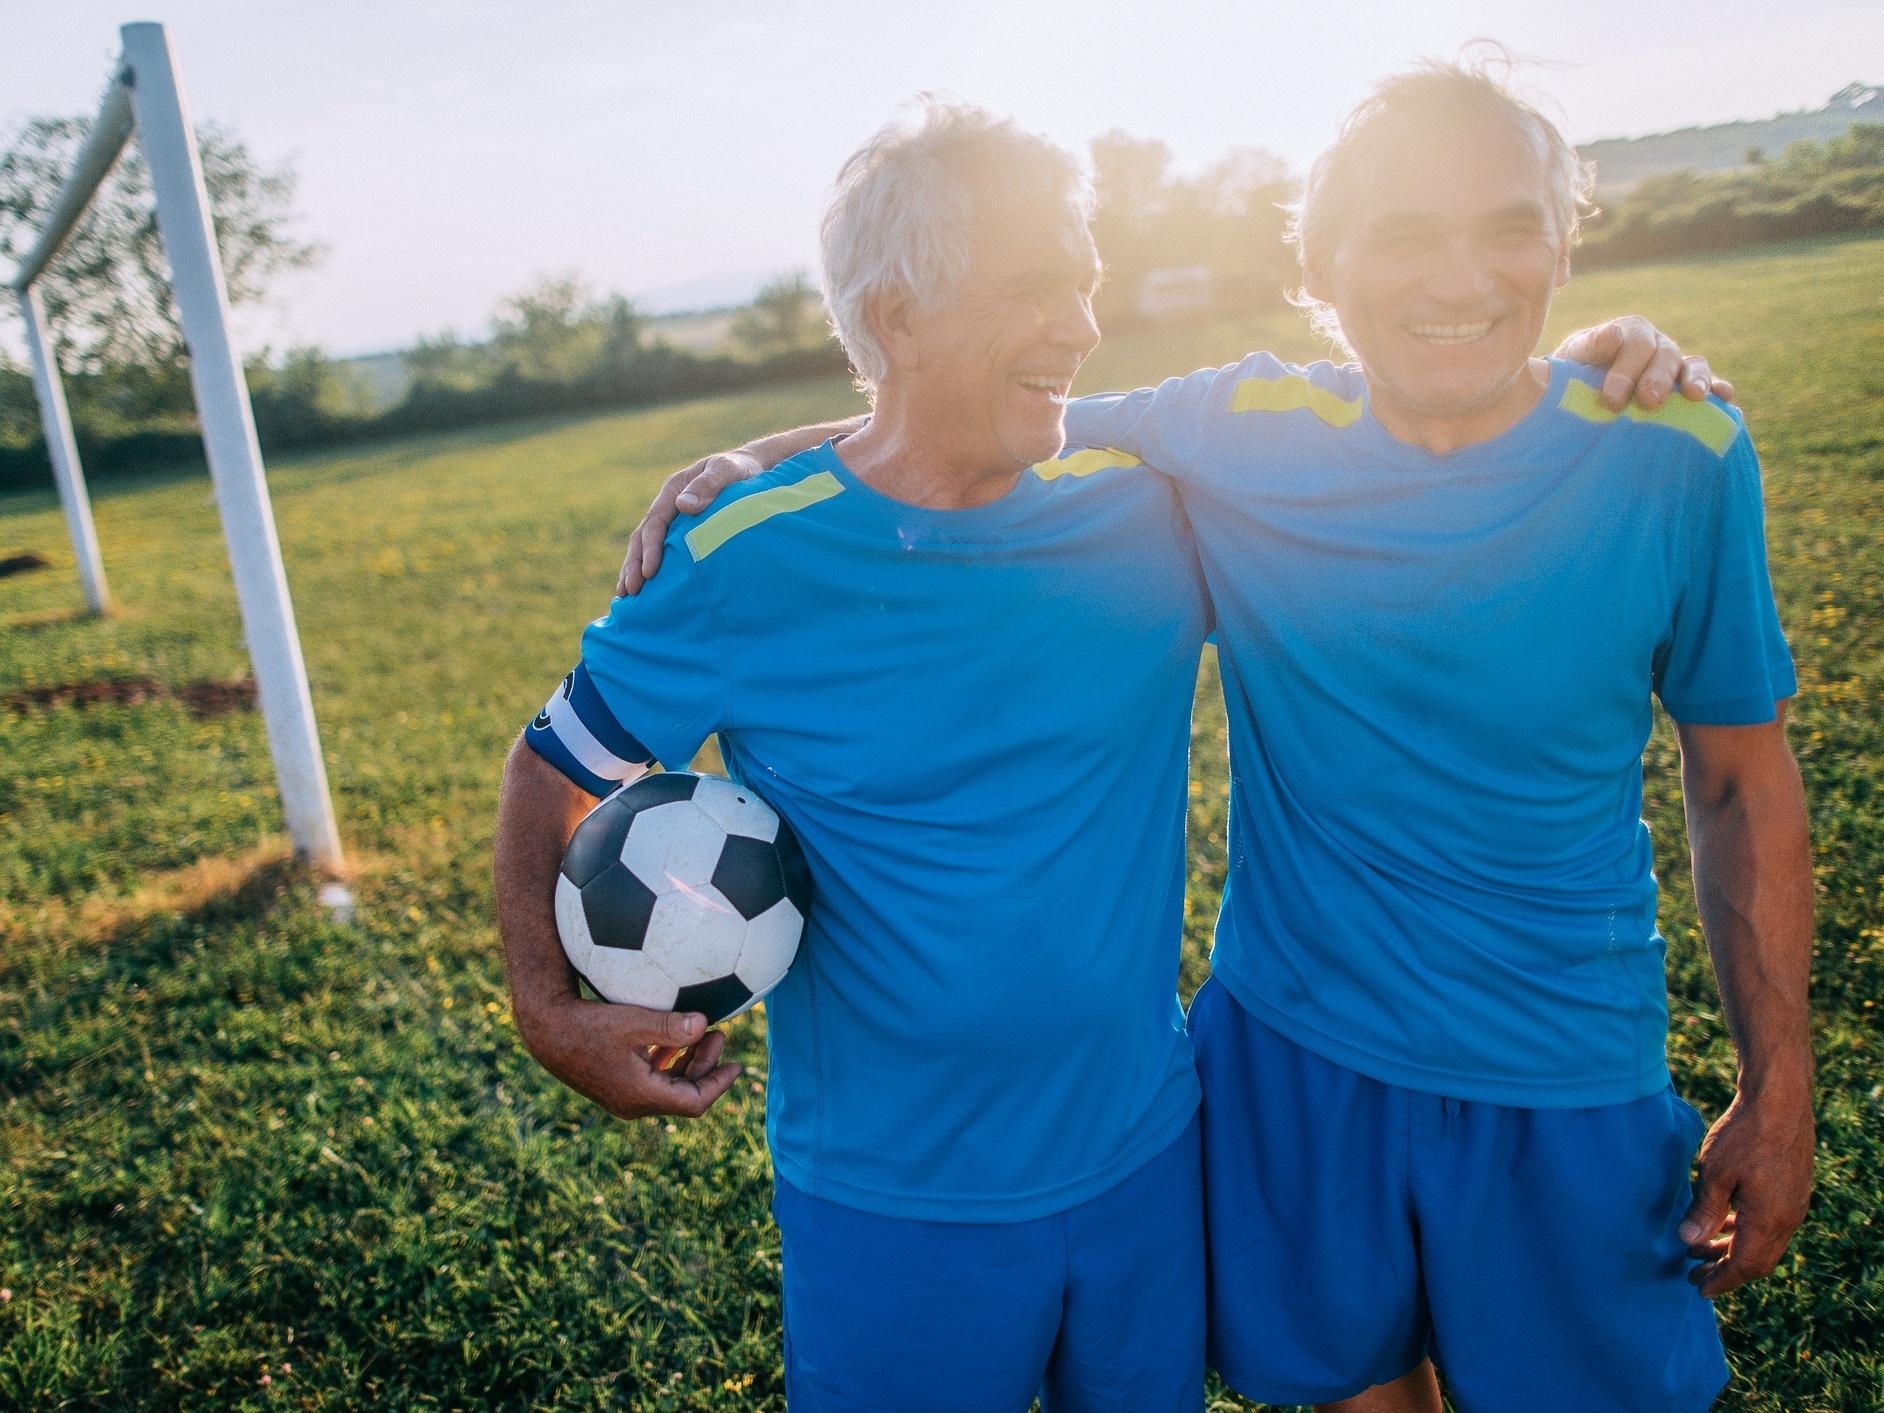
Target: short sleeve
(1162, 426)
(1726, 662)
(651, 685)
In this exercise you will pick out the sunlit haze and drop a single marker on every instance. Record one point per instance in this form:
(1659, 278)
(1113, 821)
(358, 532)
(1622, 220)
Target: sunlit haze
(450, 152)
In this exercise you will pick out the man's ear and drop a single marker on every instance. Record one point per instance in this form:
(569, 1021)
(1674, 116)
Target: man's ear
(889, 313)
(1562, 277)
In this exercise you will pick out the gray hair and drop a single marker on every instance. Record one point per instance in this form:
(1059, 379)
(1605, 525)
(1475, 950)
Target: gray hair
(902, 216)
(1475, 86)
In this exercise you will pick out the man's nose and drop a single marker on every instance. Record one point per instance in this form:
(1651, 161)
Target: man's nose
(1070, 324)
(1458, 271)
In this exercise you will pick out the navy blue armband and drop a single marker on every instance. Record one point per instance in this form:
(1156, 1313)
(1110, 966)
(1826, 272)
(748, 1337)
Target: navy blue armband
(579, 735)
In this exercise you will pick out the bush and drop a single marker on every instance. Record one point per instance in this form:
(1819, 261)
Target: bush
(1815, 189)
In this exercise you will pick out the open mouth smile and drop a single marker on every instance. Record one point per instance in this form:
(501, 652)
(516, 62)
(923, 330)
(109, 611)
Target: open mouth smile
(1448, 335)
(1053, 387)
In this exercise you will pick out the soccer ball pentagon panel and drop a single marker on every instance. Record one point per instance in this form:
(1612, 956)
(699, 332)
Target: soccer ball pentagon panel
(683, 892)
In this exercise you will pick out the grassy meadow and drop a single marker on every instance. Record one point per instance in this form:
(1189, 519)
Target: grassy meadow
(252, 1157)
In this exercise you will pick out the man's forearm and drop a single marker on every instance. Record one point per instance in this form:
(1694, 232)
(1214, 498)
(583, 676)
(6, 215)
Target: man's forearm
(1753, 888)
(781, 446)
(536, 817)
(603, 1052)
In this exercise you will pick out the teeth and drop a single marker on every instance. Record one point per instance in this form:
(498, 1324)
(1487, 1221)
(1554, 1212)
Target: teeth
(1056, 388)
(1450, 333)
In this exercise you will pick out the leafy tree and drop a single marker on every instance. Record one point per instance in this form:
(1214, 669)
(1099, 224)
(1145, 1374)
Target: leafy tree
(107, 294)
(787, 314)
(553, 331)
(546, 331)
(1228, 219)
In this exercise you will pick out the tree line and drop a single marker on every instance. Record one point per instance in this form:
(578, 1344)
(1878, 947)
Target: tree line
(1811, 189)
(558, 347)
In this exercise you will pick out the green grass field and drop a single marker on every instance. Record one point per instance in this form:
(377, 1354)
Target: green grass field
(253, 1158)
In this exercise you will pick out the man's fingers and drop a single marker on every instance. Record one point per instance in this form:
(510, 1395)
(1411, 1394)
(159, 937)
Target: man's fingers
(692, 1062)
(713, 475)
(1592, 346)
(1637, 344)
(704, 1057)
(653, 546)
(1661, 375)
(645, 544)
(1722, 1276)
(691, 1097)
(1707, 1214)
(1723, 390)
(642, 1029)
(1697, 379)
(631, 578)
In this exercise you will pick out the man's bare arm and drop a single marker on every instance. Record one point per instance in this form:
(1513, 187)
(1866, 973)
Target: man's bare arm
(1643, 363)
(1753, 886)
(692, 489)
(601, 1051)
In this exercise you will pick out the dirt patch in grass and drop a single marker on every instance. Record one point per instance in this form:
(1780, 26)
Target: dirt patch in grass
(23, 563)
(105, 691)
(203, 699)
(217, 698)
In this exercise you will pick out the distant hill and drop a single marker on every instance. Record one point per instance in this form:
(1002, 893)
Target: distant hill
(1623, 162)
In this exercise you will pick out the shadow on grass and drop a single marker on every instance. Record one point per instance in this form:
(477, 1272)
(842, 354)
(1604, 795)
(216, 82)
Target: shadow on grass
(135, 929)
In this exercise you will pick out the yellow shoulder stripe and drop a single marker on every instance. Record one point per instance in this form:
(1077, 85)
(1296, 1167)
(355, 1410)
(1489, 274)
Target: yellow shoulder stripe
(1084, 463)
(722, 525)
(1703, 421)
(1293, 391)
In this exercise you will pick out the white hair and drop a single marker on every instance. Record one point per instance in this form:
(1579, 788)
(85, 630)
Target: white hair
(902, 216)
(1476, 87)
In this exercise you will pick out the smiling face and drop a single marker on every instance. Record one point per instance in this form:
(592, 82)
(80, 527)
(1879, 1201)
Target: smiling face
(1442, 274)
(986, 371)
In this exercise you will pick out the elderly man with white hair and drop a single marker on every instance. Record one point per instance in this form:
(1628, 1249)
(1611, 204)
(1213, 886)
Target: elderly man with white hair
(967, 686)
(1450, 580)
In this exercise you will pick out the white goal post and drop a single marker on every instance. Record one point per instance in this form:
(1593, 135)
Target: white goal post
(145, 95)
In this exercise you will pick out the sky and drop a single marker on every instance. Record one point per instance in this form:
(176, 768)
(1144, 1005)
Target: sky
(450, 151)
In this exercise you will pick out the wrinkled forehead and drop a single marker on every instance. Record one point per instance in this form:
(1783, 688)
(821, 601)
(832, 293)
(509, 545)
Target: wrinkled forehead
(1037, 229)
(1449, 168)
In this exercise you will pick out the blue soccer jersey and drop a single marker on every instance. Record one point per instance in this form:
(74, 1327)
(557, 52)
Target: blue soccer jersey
(1439, 672)
(977, 723)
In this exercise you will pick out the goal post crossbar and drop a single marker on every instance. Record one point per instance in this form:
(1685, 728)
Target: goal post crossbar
(111, 129)
(146, 96)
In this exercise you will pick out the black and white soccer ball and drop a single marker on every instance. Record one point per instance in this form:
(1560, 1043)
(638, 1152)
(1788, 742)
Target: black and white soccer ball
(683, 892)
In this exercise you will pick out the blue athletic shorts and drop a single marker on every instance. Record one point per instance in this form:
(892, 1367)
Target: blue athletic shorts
(1356, 1227)
(1097, 1307)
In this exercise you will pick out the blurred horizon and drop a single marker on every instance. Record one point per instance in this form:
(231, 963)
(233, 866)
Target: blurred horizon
(450, 154)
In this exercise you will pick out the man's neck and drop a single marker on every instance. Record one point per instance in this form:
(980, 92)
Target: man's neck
(1441, 433)
(895, 455)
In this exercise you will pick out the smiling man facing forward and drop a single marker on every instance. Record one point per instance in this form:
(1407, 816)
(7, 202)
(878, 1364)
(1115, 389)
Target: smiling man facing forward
(1450, 581)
